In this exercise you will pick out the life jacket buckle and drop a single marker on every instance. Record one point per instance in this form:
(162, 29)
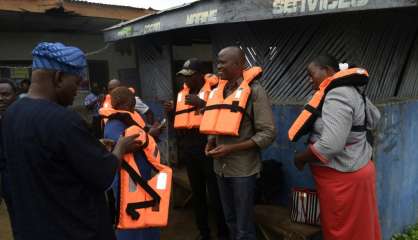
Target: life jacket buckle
(235, 106)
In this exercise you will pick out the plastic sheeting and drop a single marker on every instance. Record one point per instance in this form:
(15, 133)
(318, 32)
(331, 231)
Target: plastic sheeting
(383, 43)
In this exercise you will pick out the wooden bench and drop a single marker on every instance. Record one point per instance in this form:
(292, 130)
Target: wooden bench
(182, 191)
(274, 223)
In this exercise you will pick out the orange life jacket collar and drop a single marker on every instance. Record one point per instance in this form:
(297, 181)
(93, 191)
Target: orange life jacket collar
(303, 124)
(129, 118)
(248, 76)
(223, 115)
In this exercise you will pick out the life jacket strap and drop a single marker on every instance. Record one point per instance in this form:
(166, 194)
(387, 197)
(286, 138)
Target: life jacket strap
(186, 111)
(234, 107)
(312, 110)
(361, 128)
(132, 207)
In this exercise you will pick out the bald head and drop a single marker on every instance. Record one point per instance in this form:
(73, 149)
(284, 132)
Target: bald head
(235, 53)
(114, 83)
(231, 63)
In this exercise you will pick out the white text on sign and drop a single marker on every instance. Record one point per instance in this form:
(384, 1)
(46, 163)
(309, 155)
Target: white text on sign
(153, 27)
(202, 17)
(302, 6)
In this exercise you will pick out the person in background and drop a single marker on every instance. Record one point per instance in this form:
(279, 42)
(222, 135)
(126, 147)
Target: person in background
(123, 99)
(140, 106)
(93, 102)
(237, 159)
(199, 166)
(24, 88)
(339, 157)
(8, 93)
(57, 171)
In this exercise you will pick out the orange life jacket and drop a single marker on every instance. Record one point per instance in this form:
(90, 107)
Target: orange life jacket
(188, 116)
(143, 204)
(107, 104)
(223, 116)
(304, 122)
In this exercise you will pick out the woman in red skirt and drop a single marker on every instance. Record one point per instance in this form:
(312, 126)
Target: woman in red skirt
(339, 153)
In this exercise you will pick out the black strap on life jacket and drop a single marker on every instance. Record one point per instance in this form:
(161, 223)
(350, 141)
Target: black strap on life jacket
(132, 207)
(234, 107)
(362, 128)
(155, 153)
(314, 111)
(124, 117)
(193, 109)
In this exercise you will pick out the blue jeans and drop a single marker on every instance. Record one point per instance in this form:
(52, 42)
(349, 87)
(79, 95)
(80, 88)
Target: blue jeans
(237, 197)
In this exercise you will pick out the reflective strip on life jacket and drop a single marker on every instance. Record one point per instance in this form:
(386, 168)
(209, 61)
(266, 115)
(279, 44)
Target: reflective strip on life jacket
(304, 122)
(187, 116)
(143, 204)
(223, 116)
(107, 103)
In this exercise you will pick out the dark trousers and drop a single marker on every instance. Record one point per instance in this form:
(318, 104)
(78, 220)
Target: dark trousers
(237, 196)
(202, 177)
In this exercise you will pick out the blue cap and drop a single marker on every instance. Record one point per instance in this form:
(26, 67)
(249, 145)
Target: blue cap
(57, 56)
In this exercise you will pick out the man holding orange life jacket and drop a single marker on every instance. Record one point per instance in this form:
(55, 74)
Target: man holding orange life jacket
(238, 116)
(190, 101)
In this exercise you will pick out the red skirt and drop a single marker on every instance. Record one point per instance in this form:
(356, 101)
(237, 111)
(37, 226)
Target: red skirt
(348, 203)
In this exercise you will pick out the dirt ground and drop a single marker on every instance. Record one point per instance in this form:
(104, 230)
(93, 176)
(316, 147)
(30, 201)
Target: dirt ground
(181, 225)
(5, 230)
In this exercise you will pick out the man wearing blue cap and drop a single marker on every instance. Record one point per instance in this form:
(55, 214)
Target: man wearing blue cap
(56, 170)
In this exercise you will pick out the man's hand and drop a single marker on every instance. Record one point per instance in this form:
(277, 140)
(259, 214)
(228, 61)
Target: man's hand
(108, 143)
(168, 106)
(124, 144)
(221, 150)
(194, 100)
(209, 146)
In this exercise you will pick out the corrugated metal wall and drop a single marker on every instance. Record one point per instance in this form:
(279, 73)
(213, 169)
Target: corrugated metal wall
(154, 58)
(384, 43)
(155, 84)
